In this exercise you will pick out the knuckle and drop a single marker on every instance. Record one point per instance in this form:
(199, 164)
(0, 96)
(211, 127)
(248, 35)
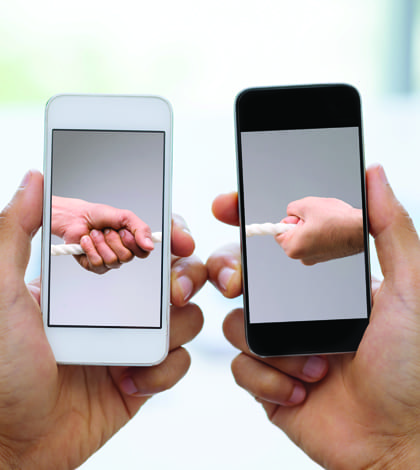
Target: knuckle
(299, 247)
(234, 363)
(294, 252)
(308, 262)
(290, 207)
(126, 256)
(112, 260)
(268, 386)
(143, 254)
(236, 367)
(125, 216)
(110, 236)
(96, 261)
(102, 270)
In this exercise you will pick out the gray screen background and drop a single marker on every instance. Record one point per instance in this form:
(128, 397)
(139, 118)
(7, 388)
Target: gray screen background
(124, 170)
(280, 167)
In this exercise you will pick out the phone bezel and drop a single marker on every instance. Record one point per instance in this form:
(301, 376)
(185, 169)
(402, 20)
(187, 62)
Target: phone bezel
(287, 108)
(108, 345)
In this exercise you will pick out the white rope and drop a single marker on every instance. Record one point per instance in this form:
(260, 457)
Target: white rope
(268, 229)
(251, 230)
(75, 249)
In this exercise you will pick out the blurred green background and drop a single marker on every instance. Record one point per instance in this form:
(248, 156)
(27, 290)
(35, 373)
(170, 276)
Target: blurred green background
(199, 55)
(204, 51)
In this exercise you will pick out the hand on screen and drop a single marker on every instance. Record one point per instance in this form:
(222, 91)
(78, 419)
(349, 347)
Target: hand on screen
(365, 411)
(109, 236)
(53, 417)
(326, 229)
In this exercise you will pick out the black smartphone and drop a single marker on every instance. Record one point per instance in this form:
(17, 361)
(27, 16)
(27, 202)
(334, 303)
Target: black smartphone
(300, 164)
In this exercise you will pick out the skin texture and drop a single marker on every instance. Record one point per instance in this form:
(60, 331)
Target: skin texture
(357, 411)
(51, 416)
(326, 229)
(109, 236)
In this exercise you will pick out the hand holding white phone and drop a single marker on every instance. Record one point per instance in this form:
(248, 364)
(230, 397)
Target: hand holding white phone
(108, 167)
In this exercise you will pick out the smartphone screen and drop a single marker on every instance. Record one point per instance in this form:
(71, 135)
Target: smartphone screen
(123, 170)
(301, 146)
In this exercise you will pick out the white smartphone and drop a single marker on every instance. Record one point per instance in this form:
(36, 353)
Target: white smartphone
(107, 171)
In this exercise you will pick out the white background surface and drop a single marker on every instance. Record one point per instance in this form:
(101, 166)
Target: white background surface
(199, 55)
(206, 421)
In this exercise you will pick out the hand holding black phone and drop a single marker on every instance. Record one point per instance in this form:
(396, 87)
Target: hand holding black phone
(300, 162)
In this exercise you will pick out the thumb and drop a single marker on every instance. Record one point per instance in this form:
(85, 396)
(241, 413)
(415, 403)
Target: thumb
(396, 239)
(19, 221)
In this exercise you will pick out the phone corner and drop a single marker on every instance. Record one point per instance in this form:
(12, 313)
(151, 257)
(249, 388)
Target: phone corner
(160, 359)
(352, 90)
(166, 103)
(254, 348)
(160, 353)
(52, 100)
(241, 95)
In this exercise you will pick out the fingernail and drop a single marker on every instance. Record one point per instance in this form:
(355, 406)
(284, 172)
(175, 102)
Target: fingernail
(382, 174)
(148, 242)
(94, 233)
(314, 367)
(186, 230)
(26, 179)
(122, 233)
(186, 286)
(128, 387)
(224, 277)
(298, 395)
(106, 231)
(180, 223)
(84, 239)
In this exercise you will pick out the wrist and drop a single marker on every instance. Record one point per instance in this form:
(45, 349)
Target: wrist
(58, 216)
(400, 456)
(64, 212)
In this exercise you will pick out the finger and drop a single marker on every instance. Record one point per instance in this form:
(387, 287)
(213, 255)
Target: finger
(142, 382)
(375, 285)
(290, 219)
(19, 221)
(91, 260)
(307, 368)
(130, 243)
(140, 230)
(34, 288)
(295, 242)
(266, 382)
(284, 417)
(181, 239)
(284, 239)
(225, 208)
(396, 239)
(186, 323)
(299, 207)
(224, 270)
(103, 216)
(188, 276)
(146, 381)
(110, 258)
(113, 240)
